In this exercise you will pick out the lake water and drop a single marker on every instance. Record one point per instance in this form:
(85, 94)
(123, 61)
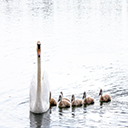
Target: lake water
(84, 48)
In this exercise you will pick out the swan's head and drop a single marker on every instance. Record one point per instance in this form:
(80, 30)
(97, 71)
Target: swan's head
(39, 48)
(60, 98)
(100, 93)
(84, 95)
(73, 97)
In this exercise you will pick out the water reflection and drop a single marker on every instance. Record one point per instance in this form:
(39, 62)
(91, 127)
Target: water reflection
(40, 120)
(75, 110)
(62, 110)
(41, 8)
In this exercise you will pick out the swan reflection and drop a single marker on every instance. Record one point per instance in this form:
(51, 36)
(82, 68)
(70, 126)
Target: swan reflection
(40, 120)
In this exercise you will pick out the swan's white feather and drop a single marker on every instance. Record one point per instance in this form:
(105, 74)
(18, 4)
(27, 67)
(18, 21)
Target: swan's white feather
(43, 105)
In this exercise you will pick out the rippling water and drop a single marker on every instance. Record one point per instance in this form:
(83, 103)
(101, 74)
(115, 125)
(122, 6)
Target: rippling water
(84, 48)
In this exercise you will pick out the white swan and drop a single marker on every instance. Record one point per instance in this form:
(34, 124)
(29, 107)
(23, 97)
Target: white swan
(39, 88)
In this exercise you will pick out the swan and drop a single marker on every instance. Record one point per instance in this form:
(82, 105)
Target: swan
(105, 98)
(39, 88)
(76, 102)
(87, 100)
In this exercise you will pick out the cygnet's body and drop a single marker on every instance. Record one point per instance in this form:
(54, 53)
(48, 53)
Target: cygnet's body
(63, 103)
(105, 98)
(52, 101)
(87, 100)
(76, 102)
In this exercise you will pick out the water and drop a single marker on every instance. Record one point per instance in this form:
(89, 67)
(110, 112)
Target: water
(84, 48)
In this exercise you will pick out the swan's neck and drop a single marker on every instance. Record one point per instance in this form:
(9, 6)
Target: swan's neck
(38, 75)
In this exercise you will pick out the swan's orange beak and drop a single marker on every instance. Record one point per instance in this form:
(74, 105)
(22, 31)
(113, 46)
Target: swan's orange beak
(38, 49)
(38, 52)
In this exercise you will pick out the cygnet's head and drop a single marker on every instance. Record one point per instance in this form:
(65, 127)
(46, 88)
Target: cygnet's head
(100, 93)
(73, 97)
(84, 95)
(61, 93)
(60, 98)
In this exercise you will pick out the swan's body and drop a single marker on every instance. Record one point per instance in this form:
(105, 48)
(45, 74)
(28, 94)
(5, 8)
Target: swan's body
(76, 102)
(39, 88)
(105, 98)
(63, 103)
(87, 100)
